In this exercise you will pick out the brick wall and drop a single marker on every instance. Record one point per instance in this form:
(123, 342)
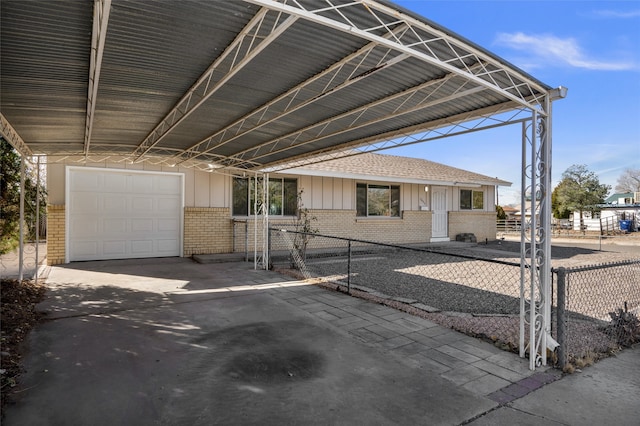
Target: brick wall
(210, 230)
(413, 227)
(55, 234)
(481, 224)
(207, 230)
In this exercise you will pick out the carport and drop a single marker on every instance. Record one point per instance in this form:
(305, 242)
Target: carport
(257, 86)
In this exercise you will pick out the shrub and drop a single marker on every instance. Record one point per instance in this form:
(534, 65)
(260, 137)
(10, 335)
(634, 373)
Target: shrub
(624, 327)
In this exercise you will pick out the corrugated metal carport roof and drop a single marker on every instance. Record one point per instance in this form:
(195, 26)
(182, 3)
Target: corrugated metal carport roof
(250, 84)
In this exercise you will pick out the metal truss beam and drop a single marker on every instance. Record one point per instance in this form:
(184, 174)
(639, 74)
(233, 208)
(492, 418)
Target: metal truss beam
(253, 39)
(451, 128)
(13, 137)
(351, 69)
(477, 120)
(438, 129)
(423, 42)
(156, 159)
(412, 100)
(101, 10)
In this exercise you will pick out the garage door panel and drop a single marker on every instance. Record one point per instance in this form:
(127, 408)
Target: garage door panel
(167, 204)
(118, 214)
(114, 226)
(142, 247)
(87, 227)
(111, 203)
(115, 182)
(84, 250)
(167, 246)
(85, 183)
(114, 248)
(142, 204)
(168, 225)
(142, 225)
(85, 202)
(142, 184)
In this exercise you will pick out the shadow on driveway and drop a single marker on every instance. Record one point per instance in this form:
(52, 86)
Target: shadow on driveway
(169, 341)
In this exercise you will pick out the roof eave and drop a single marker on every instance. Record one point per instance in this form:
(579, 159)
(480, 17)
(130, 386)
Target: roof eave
(391, 179)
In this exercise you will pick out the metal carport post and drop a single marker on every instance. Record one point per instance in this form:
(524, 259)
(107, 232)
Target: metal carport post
(535, 266)
(25, 153)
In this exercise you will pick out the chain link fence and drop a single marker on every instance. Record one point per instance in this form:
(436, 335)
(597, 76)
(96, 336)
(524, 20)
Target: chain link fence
(597, 310)
(473, 295)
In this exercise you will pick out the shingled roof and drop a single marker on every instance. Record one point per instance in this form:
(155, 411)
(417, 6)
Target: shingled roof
(392, 168)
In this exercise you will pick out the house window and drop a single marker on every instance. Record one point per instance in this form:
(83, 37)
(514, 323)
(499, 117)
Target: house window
(377, 200)
(471, 200)
(283, 196)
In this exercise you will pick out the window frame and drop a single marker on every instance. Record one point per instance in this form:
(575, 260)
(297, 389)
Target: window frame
(469, 202)
(364, 200)
(285, 207)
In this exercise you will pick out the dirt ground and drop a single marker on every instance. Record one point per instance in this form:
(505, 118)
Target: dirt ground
(18, 317)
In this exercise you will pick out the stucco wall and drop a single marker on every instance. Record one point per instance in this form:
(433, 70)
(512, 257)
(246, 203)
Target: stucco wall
(201, 189)
(204, 189)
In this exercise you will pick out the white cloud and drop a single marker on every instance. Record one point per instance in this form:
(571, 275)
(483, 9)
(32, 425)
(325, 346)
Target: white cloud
(618, 14)
(546, 49)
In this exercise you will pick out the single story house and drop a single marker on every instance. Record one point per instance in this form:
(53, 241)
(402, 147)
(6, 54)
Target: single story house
(114, 211)
(620, 212)
(511, 212)
(623, 199)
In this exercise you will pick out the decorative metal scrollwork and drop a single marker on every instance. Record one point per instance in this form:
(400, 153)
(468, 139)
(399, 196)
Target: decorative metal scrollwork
(535, 250)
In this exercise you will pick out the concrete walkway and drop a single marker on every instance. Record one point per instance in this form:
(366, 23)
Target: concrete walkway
(170, 341)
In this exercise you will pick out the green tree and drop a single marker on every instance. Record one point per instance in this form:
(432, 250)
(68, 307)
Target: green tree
(10, 198)
(559, 211)
(500, 213)
(580, 190)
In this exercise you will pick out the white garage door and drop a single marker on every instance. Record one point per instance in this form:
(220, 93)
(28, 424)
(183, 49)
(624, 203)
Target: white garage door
(122, 214)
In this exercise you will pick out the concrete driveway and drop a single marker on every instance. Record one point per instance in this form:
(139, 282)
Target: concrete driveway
(170, 341)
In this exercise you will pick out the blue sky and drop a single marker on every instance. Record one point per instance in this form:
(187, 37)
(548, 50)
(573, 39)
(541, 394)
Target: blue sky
(590, 47)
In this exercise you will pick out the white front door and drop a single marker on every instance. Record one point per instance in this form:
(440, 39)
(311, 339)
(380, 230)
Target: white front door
(122, 214)
(439, 224)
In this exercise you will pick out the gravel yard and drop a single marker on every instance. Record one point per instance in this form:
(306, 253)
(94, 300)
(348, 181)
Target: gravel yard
(562, 254)
(469, 284)
(444, 282)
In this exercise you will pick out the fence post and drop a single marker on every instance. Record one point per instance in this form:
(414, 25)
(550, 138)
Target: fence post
(349, 267)
(269, 249)
(561, 317)
(600, 226)
(37, 222)
(246, 240)
(233, 236)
